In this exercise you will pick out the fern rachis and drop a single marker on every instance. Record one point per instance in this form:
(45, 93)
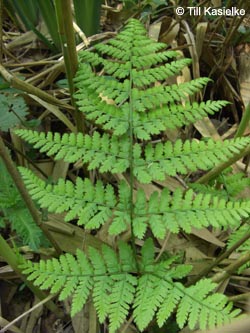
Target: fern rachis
(131, 102)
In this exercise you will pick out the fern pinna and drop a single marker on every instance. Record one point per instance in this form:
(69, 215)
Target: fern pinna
(111, 279)
(129, 104)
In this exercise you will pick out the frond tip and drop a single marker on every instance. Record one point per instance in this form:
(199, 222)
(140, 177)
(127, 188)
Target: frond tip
(135, 69)
(118, 287)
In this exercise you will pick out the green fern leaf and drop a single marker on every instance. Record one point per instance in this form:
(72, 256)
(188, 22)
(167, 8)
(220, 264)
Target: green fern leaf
(103, 152)
(92, 204)
(120, 299)
(73, 276)
(15, 212)
(130, 102)
(85, 283)
(102, 283)
(116, 284)
(104, 99)
(146, 300)
(234, 184)
(235, 236)
(13, 111)
(21, 221)
(111, 281)
(110, 154)
(184, 157)
(184, 211)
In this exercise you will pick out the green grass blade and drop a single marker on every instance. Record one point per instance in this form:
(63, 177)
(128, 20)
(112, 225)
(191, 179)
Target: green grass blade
(68, 45)
(28, 11)
(87, 15)
(47, 11)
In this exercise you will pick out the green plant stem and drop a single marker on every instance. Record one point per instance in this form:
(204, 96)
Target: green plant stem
(24, 193)
(30, 89)
(217, 170)
(244, 122)
(68, 45)
(228, 271)
(223, 256)
(131, 165)
(14, 261)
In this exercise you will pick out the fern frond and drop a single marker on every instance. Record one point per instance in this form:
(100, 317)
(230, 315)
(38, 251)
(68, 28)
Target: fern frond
(103, 285)
(142, 78)
(15, 211)
(197, 307)
(131, 101)
(106, 275)
(183, 157)
(158, 294)
(69, 275)
(103, 152)
(134, 62)
(115, 117)
(109, 100)
(111, 153)
(237, 235)
(13, 109)
(121, 296)
(184, 211)
(234, 183)
(226, 185)
(153, 98)
(21, 221)
(116, 285)
(178, 115)
(92, 204)
(171, 116)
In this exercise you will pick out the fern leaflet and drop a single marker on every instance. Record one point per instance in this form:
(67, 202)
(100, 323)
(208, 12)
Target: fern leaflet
(93, 205)
(15, 211)
(115, 285)
(111, 153)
